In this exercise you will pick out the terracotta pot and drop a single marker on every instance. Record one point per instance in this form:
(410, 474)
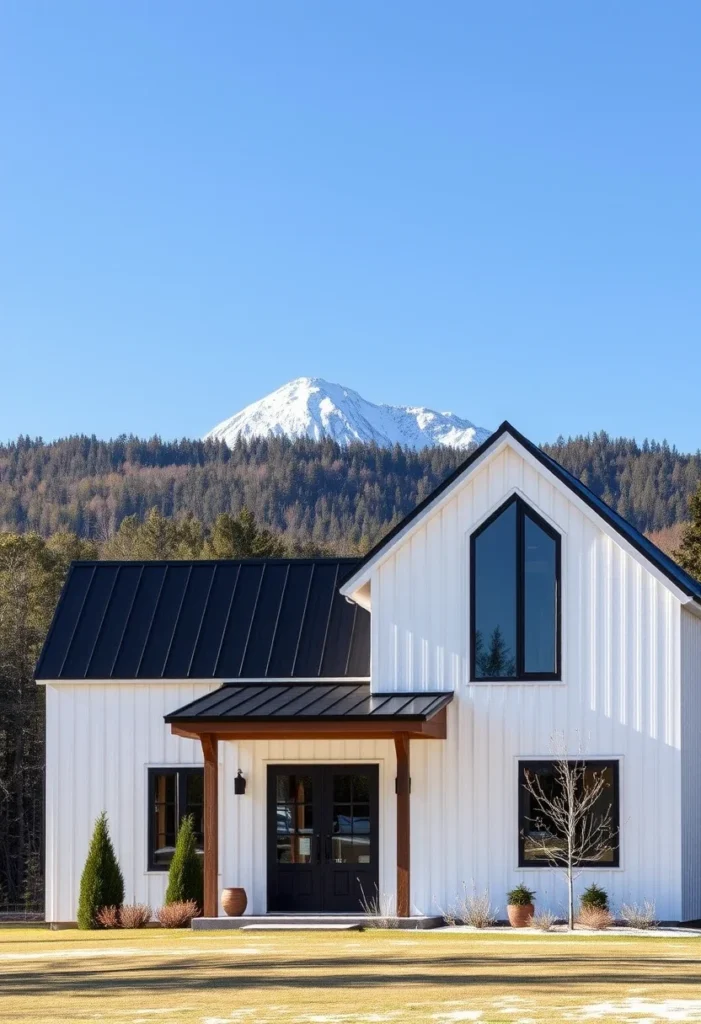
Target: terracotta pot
(234, 901)
(520, 917)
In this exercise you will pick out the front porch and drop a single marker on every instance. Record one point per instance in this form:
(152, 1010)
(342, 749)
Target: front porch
(311, 712)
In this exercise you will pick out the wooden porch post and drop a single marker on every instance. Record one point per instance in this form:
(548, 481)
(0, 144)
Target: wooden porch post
(211, 825)
(401, 744)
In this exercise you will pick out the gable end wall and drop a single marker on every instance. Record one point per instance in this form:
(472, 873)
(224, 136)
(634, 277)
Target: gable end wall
(619, 697)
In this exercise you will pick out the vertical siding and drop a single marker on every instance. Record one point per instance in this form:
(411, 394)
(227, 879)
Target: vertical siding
(691, 765)
(100, 741)
(619, 697)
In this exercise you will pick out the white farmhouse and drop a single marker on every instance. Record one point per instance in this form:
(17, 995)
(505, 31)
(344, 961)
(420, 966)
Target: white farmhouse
(335, 724)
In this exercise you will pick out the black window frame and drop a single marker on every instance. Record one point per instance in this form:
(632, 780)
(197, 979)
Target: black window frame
(182, 775)
(601, 762)
(523, 509)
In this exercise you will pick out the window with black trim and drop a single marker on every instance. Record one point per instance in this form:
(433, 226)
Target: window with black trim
(173, 793)
(515, 596)
(534, 827)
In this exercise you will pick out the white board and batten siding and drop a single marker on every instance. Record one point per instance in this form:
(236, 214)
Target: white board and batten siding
(101, 740)
(619, 697)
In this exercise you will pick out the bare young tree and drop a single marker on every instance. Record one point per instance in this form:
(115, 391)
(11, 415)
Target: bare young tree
(569, 827)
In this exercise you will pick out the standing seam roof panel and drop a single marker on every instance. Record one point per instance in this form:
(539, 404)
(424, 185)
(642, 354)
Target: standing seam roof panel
(255, 619)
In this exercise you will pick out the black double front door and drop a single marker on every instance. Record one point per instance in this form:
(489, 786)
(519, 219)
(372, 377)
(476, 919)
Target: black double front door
(322, 837)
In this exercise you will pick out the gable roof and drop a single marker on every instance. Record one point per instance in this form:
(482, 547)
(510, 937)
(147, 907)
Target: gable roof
(247, 619)
(686, 583)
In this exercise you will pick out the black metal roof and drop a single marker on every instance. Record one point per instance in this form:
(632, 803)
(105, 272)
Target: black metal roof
(686, 583)
(327, 701)
(248, 619)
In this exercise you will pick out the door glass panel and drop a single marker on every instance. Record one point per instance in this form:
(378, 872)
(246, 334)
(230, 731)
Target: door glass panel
(342, 788)
(351, 833)
(361, 788)
(294, 818)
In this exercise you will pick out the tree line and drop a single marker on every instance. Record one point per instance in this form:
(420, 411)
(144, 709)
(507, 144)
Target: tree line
(340, 498)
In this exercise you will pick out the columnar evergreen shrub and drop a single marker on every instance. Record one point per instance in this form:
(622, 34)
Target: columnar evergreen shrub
(185, 879)
(101, 884)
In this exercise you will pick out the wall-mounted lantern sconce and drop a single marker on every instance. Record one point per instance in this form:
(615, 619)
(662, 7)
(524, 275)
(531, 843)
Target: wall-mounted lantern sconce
(240, 784)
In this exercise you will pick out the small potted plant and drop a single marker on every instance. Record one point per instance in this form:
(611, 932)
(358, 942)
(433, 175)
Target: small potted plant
(520, 906)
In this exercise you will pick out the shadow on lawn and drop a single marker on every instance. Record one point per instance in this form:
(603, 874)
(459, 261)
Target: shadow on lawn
(189, 974)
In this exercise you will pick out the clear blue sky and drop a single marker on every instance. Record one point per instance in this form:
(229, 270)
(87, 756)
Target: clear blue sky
(493, 208)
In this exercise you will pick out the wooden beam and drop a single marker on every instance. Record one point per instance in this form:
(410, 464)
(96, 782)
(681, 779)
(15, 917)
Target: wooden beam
(211, 826)
(300, 729)
(401, 744)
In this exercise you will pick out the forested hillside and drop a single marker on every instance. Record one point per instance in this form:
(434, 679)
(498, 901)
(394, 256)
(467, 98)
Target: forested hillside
(311, 491)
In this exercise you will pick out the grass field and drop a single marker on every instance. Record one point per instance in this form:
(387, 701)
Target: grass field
(160, 977)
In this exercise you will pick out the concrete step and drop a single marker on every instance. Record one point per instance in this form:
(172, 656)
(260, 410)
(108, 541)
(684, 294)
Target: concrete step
(300, 922)
(300, 928)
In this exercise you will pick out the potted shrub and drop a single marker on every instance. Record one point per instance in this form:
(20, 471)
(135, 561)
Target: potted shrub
(520, 906)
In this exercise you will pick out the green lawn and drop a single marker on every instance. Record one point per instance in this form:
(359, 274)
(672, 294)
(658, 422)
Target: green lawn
(372, 977)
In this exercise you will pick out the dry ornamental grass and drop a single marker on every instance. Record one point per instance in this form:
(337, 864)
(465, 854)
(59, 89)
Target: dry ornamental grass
(134, 915)
(177, 915)
(596, 918)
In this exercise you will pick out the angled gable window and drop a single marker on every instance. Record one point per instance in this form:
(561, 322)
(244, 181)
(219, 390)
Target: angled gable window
(515, 596)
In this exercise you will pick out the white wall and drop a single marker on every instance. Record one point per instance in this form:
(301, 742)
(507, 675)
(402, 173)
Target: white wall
(101, 740)
(619, 697)
(691, 765)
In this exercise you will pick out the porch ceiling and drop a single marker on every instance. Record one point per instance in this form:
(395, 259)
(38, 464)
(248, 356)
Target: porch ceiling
(323, 710)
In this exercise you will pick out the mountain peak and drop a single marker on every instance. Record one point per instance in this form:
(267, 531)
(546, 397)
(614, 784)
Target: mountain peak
(315, 408)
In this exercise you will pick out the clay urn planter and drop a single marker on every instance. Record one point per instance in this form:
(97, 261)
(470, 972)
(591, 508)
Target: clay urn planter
(520, 906)
(234, 901)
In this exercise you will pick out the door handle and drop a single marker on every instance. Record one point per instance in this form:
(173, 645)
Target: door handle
(318, 848)
(327, 849)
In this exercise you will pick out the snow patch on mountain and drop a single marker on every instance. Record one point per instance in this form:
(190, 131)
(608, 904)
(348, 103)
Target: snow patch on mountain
(314, 408)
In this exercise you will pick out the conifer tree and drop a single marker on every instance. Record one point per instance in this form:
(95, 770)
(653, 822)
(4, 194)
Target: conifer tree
(101, 884)
(240, 537)
(185, 879)
(689, 553)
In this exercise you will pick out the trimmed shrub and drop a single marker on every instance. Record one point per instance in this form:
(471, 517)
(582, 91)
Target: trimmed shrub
(134, 915)
(101, 884)
(108, 917)
(594, 897)
(185, 879)
(520, 896)
(178, 914)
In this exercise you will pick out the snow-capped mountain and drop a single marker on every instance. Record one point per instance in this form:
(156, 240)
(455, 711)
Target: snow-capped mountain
(314, 408)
